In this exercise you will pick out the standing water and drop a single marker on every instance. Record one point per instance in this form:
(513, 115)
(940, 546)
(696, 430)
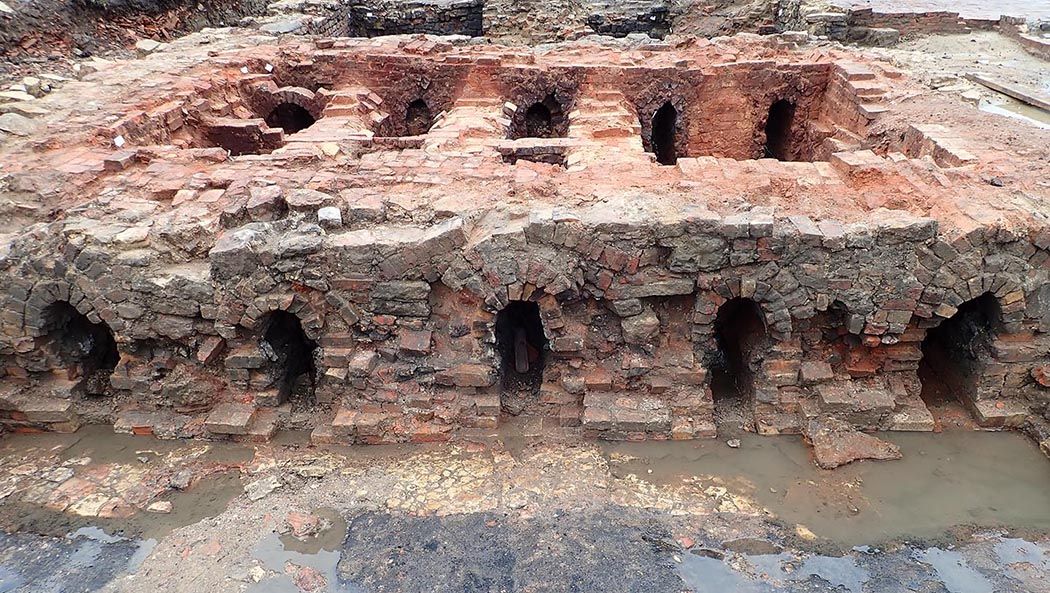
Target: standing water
(986, 479)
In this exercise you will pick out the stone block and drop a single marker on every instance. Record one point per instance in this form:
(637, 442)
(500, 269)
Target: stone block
(229, 419)
(816, 372)
(249, 356)
(41, 409)
(471, 375)
(415, 343)
(641, 328)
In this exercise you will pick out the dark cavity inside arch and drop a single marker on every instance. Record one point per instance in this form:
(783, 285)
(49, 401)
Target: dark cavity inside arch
(290, 117)
(291, 353)
(739, 330)
(521, 344)
(779, 128)
(418, 118)
(665, 121)
(954, 353)
(87, 350)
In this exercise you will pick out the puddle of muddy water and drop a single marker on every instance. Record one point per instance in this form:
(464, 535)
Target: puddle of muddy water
(945, 480)
(954, 572)
(102, 445)
(208, 498)
(320, 553)
(10, 580)
(99, 445)
(770, 573)
(1017, 110)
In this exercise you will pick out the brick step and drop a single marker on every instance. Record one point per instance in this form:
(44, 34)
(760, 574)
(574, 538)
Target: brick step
(613, 417)
(230, 419)
(1000, 413)
(774, 423)
(615, 133)
(350, 422)
(261, 428)
(340, 111)
(685, 428)
(850, 396)
(609, 96)
(911, 415)
(602, 116)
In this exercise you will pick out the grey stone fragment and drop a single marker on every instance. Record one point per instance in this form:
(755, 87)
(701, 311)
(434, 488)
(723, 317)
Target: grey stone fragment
(641, 328)
(672, 287)
(234, 253)
(262, 488)
(147, 46)
(18, 125)
(298, 245)
(698, 253)
(282, 26)
(404, 291)
(329, 217)
(626, 307)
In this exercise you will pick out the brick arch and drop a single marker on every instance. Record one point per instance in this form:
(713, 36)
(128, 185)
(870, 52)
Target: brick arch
(48, 292)
(496, 282)
(439, 90)
(527, 87)
(649, 93)
(1010, 296)
(310, 314)
(775, 312)
(266, 96)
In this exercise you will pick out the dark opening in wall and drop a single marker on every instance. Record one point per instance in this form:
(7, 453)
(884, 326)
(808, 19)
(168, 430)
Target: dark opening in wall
(418, 118)
(87, 350)
(538, 121)
(549, 155)
(739, 330)
(290, 117)
(665, 120)
(542, 119)
(291, 355)
(955, 352)
(779, 128)
(522, 347)
(240, 139)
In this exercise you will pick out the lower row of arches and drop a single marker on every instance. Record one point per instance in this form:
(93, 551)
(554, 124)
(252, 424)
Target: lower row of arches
(952, 352)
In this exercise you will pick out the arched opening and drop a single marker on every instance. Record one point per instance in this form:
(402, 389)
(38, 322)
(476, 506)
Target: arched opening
(955, 352)
(542, 119)
(739, 331)
(290, 117)
(663, 138)
(291, 356)
(87, 350)
(539, 122)
(418, 118)
(779, 124)
(522, 348)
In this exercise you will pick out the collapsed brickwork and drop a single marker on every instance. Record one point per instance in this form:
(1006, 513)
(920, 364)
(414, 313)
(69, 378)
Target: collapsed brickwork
(395, 239)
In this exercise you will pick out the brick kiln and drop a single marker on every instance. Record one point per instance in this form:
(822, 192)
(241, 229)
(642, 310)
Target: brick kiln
(398, 238)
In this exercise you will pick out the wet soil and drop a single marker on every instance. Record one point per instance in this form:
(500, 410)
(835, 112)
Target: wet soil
(945, 480)
(515, 511)
(207, 492)
(618, 550)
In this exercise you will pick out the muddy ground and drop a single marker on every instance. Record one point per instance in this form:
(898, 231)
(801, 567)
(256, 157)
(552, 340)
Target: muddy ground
(519, 511)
